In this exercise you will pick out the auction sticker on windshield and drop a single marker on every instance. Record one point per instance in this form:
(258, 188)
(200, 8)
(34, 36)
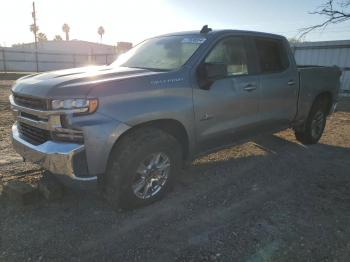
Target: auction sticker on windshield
(193, 40)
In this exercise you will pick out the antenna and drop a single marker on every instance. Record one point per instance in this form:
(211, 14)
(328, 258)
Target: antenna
(205, 29)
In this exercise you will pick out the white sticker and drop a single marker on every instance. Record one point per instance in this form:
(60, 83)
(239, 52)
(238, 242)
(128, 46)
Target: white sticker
(193, 40)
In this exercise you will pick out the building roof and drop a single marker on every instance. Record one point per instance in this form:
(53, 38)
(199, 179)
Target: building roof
(324, 44)
(64, 42)
(71, 46)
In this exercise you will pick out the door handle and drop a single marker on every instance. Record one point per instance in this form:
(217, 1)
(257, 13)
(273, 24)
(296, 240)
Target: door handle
(291, 83)
(250, 87)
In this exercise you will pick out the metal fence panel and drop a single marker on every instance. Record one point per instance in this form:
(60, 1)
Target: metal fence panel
(12, 60)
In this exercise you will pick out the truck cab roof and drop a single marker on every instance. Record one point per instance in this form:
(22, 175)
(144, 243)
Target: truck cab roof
(220, 32)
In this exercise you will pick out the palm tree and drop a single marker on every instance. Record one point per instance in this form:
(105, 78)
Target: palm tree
(66, 29)
(42, 37)
(101, 31)
(57, 38)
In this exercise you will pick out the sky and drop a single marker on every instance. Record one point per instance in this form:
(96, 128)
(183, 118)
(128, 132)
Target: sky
(135, 20)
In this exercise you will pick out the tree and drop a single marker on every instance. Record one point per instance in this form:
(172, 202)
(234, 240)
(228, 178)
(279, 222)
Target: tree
(334, 11)
(294, 41)
(101, 31)
(57, 38)
(42, 37)
(65, 29)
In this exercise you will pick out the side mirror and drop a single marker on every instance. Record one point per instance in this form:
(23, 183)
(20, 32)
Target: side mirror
(208, 73)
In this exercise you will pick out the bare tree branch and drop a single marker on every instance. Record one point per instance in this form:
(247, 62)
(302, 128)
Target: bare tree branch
(334, 11)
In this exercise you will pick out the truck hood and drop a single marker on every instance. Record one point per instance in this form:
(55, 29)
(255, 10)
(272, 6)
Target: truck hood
(76, 82)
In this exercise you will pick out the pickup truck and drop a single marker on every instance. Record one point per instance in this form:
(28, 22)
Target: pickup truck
(130, 127)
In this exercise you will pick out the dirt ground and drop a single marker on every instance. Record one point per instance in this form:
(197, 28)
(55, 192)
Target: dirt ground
(268, 200)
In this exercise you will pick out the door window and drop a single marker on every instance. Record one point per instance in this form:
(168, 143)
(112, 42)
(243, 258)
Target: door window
(272, 55)
(230, 51)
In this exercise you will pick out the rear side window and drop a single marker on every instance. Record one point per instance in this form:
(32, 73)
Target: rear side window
(272, 55)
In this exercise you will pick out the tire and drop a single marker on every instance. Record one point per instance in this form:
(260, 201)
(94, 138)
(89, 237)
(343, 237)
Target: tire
(133, 168)
(315, 123)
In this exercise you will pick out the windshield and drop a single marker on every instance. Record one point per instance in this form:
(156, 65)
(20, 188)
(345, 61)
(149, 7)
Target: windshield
(161, 53)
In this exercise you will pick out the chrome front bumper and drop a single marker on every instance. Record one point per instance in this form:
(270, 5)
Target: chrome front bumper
(57, 157)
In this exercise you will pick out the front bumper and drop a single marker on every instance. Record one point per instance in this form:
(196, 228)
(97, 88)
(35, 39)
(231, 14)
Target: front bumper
(59, 158)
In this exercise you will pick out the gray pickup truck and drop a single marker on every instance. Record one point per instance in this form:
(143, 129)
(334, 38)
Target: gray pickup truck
(132, 125)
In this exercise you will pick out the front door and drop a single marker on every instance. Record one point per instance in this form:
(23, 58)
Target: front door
(230, 105)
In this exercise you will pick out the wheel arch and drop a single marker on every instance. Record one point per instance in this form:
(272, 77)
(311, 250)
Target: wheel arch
(307, 105)
(170, 126)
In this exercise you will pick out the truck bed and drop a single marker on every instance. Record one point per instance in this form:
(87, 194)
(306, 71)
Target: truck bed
(314, 80)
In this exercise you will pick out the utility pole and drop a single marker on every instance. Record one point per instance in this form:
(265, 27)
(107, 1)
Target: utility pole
(34, 25)
(35, 29)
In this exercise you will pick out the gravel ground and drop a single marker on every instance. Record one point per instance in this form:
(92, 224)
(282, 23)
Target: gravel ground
(268, 200)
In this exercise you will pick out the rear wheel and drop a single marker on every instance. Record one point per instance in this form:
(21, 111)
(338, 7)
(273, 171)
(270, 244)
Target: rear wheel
(142, 168)
(315, 124)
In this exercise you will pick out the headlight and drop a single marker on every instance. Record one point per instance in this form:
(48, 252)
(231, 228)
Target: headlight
(88, 105)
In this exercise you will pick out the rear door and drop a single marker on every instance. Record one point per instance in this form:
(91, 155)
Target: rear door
(279, 82)
(231, 104)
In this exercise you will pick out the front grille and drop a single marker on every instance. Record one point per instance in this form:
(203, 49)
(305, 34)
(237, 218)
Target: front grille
(30, 116)
(33, 134)
(30, 102)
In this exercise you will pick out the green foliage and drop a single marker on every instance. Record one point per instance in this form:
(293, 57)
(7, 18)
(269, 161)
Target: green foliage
(57, 38)
(41, 37)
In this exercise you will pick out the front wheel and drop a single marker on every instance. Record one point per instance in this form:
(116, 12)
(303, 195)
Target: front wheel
(142, 168)
(314, 125)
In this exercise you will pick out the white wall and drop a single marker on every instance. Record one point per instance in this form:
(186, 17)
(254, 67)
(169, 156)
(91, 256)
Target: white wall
(53, 55)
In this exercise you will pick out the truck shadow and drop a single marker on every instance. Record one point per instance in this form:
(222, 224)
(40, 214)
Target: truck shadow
(261, 152)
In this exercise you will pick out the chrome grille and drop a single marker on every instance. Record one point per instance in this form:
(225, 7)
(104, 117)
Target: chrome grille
(30, 102)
